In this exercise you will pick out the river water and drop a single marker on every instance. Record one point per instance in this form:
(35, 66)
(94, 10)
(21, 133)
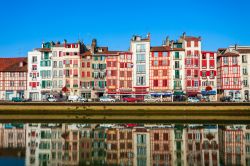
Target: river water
(56, 144)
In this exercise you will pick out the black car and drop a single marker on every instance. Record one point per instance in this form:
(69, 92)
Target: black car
(226, 99)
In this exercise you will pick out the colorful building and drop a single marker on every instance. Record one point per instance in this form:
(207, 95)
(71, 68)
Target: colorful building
(208, 75)
(229, 73)
(13, 78)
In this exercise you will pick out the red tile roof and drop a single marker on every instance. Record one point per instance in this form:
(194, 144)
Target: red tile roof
(228, 54)
(160, 49)
(243, 51)
(192, 38)
(13, 64)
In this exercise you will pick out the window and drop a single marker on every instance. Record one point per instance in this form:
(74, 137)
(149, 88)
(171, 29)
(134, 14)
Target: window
(212, 74)
(155, 82)
(235, 71)
(141, 139)
(245, 82)
(225, 60)
(203, 73)
(122, 56)
(140, 57)
(156, 54)
(155, 72)
(226, 82)
(140, 48)
(155, 63)
(235, 81)
(34, 59)
(196, 83)
(225, 70)
(140, 68)
(55, 64)
(188, 43)
(244, 59)
(176, 55)
(140, 80)
(234, 60)
(60, 64)
(244, 70)
(203, 56)
(177, 64)
(164, 54)
(196, 43)
(164, 83)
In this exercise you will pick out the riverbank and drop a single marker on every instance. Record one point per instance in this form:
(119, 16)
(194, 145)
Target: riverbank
(124, 112)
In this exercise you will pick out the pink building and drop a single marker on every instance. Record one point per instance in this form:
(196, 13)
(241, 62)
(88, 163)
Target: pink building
(229, 73)
(13, 78)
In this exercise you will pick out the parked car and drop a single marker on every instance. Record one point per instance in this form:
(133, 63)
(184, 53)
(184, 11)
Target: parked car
(81, 99)
(106, 99)
(236, 99)
(226, 99)
(193, 100)
(73, 98)
(151, 99)
(132, 99)
(51, 99)
(17, 99)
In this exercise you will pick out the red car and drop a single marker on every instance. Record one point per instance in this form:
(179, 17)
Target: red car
(132, 99)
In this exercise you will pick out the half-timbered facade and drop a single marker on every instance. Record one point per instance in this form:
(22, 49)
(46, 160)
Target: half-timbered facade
(13, 78)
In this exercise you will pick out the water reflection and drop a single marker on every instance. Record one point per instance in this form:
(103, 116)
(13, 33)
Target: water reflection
(126, 144)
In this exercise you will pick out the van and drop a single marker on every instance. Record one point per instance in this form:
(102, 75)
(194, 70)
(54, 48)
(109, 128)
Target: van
(73, 98)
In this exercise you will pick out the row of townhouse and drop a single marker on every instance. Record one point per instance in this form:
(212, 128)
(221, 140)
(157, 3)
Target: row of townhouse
(92, 144)
(170, 71)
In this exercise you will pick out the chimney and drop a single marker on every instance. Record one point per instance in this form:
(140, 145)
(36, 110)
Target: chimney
(65, 41)
(167, 41)
(93, 45)
(184, 35)
(148, 36)
(236, 46)
(20, 64)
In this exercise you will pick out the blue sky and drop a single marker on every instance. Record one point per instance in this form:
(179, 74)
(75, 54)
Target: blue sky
(26, 23)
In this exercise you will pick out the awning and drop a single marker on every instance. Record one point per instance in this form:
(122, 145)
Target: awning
(192, 94)
(178, 93)
(211, 92)
(162, 94)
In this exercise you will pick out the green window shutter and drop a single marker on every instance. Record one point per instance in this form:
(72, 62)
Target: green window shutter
(93, 66)
(46, 55)
(41, 63)
(92, 83)
(43, 84)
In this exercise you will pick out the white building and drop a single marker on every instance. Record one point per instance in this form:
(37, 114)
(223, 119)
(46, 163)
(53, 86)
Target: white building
(140, 48)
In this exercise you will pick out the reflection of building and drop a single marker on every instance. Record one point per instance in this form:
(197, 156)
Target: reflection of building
(231, 139)
(99, 146)
(13, 78)
(85, 145)
(161, 146)
(179, 152)
(247, 144)
(141, 137)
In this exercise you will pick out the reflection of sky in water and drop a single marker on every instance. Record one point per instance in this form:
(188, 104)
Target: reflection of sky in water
(124, 144)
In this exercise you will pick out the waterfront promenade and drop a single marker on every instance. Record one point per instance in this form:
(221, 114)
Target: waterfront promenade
(125, 112)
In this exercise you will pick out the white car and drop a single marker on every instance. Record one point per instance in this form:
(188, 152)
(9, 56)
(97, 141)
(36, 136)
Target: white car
(106, 99)
(73, 98)
(52, 99)
(81, 99)
(151, 99)
(193, 100)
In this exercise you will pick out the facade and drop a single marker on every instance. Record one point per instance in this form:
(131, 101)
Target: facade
(229, 73)
(208, 75)
(244, 61)
(13, 78)
(192, 46)
(160, 75)
(140, 48)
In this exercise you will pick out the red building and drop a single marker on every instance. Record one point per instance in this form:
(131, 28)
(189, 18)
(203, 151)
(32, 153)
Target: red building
(13, 78)
(208, 75)
(160, 71)
(192, 47)
(119, 74)
(229, 73)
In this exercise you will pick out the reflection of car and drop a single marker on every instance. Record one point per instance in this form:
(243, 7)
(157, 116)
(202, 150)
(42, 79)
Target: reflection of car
(151, 99)
(193, 100)
(81, 99)
(131, 99)
(226, 99)
(236, 99)
(17, 99)
(51, 99)
(106, 99)
(205, 99)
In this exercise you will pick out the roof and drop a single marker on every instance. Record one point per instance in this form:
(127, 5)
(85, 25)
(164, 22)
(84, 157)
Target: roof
(229, 54)
(243, 51)
(160, 49)
(13, 64)
(44, 49)
(192, 38)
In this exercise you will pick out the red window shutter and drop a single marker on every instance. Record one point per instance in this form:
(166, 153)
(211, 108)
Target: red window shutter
(204, 63)
(70, 61)
(168, 62)
(83, 74)
(64, 62)
(88, 74)
(199, 82)
(125, 64)
(37, 84)
(88, 64)
(208, 73)
(200, 73)
(152, 63)
(30, 83)
(83, 64)
(211, 62)
(160, 54)
(192, 82)
(160, 63)
(196, 62)
(70, 71)
(214, 73)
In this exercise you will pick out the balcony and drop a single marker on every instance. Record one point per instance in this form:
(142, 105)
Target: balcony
(177, 58)
(177, 88)
(177, 77)
(75, 86)
(177, 67)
